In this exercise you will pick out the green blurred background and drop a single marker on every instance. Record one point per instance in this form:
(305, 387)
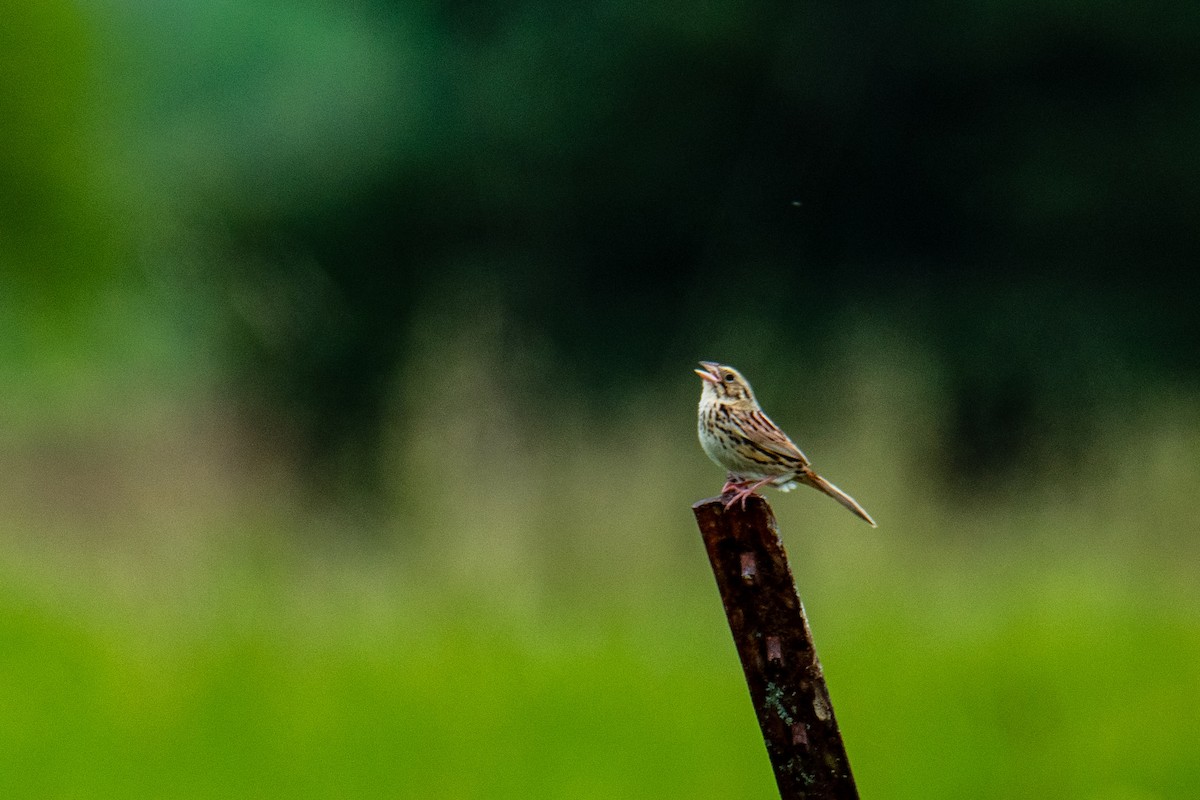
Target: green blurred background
(349, 415)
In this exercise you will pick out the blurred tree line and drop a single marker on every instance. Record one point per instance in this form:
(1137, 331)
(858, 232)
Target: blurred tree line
(1016, 181)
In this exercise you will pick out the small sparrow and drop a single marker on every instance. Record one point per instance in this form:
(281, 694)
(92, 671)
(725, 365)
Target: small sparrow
(737, 435)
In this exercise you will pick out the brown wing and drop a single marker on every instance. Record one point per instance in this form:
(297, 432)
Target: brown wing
(765, 435)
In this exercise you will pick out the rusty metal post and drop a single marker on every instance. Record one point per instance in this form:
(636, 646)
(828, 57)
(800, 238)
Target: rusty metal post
(775, 644)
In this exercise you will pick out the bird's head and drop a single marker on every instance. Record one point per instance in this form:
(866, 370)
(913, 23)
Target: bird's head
(724, 384)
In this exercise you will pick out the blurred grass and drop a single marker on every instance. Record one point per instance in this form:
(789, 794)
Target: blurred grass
(1044, 692)
(534, 616)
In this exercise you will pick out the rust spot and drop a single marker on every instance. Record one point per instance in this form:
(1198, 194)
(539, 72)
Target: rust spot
(749, 566)
(821, 705)
(774, 650)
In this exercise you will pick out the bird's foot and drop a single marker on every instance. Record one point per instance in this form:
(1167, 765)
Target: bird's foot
(740, 491)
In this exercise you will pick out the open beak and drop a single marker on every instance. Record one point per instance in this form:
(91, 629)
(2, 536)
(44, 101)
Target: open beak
(709, 373)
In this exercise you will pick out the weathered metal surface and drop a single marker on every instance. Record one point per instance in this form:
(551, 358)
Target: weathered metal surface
(775, 644)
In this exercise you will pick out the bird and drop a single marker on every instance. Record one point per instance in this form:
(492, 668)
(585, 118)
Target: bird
(738, 436)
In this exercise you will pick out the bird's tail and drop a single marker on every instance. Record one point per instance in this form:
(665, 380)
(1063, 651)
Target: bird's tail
(814, 480)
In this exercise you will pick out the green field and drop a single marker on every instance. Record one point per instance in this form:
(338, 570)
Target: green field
(1006, 689)
(555, 632)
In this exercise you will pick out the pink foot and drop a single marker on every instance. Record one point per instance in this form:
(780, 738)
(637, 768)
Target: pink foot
(741, 490)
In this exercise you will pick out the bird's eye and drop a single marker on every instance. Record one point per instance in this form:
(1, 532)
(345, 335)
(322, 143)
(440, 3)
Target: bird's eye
(729, 377)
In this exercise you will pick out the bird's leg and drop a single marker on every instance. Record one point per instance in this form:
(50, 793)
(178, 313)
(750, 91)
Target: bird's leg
(742, 490)
(732, 484)
(763, 482)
